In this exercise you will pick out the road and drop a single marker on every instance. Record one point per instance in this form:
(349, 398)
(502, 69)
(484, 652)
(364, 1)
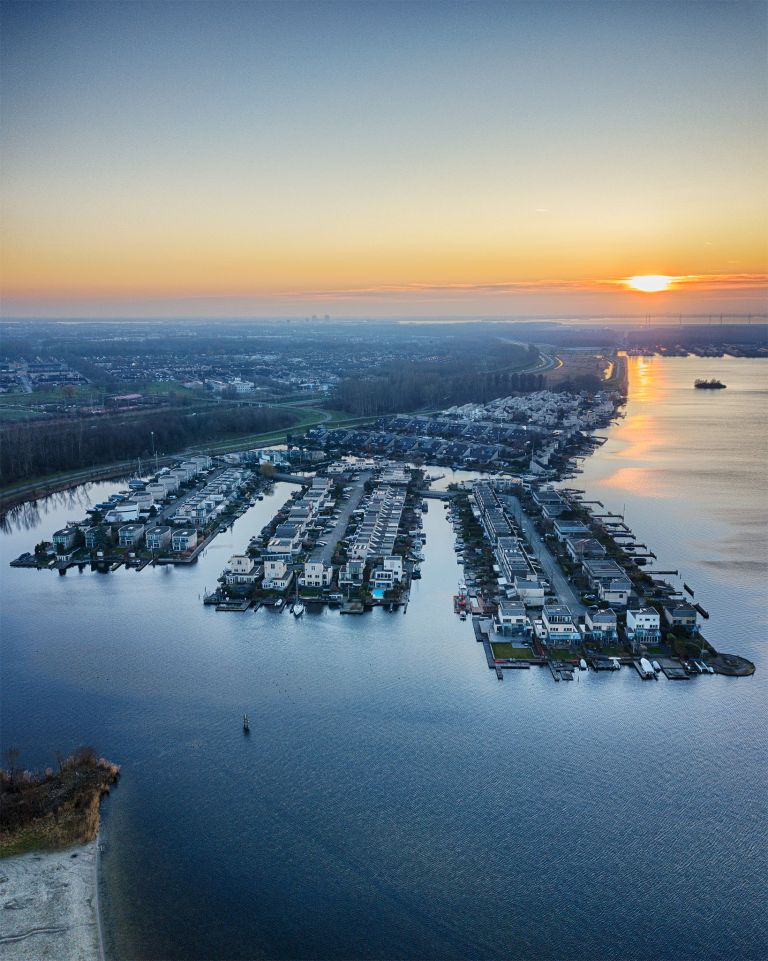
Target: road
(333, 535)
(560, 583)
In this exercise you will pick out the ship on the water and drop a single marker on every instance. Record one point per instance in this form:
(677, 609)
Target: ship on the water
(709, 384)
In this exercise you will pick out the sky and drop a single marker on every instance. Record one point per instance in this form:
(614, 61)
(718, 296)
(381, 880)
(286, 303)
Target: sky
(382, 159)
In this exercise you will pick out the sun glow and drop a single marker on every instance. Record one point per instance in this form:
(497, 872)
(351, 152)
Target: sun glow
(649, 283)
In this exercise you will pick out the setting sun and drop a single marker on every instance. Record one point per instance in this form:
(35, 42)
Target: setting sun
(649, 283)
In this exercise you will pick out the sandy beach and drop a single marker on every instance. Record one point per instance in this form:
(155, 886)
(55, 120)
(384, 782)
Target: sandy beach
(50, 905)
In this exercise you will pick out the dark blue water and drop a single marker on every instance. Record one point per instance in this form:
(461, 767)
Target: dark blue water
(394, 800)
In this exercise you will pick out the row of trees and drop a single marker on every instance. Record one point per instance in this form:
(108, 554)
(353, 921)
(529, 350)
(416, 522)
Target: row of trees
(416, 385)
(33, 449)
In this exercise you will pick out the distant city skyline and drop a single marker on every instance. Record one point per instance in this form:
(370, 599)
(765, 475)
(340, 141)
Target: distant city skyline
(380, 159)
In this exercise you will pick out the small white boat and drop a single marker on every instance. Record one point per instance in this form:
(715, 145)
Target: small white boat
(656, 666)
(582, 665)
(298, 609)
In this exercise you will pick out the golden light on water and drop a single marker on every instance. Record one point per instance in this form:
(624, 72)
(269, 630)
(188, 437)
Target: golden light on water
(649, 283)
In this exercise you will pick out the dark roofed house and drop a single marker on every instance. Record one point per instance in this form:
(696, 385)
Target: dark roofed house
(681, 616)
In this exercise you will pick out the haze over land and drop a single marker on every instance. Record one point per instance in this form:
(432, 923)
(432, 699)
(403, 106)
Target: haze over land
(238, 159)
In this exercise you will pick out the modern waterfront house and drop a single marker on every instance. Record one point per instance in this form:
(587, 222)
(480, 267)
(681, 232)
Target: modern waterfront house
(64, 541)
(158, 538)
(184, 539)
(277, 576)
(243, 569)
(559, 627)
(130, 534)
(512, 619)
(530, 591)
(643, 626)
(600, 627)
(681, 617)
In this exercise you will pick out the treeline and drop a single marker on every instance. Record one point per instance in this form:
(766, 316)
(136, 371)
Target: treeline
(33, 448)
(413, 386)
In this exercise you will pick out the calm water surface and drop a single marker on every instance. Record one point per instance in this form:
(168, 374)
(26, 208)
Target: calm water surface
(394, 800)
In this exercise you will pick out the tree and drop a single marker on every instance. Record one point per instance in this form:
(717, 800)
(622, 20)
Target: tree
(12, 756)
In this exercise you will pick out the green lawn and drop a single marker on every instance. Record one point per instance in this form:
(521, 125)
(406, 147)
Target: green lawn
(505, 649)
(562, 654)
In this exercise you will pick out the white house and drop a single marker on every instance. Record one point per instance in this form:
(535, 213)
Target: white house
(644, 626)
(277, 577)
(158, 491)
(242, 570)
(390, 572)
(317, 574)
(559, 628)
(143, 500)
(169, 482)
(529, 591)
(615, 591)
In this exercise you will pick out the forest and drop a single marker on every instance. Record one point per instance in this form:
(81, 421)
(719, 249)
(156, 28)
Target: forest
(33, 448)
(416, 385)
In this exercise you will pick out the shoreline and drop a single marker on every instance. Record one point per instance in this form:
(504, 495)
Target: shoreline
(52, 904)
(97, 898)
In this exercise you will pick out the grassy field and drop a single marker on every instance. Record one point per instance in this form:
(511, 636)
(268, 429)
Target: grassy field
(505, 649)
(10, 414)
(57, 395)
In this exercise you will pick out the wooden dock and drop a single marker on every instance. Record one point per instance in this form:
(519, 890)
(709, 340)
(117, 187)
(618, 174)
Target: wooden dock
(234, 605)
(673, 669)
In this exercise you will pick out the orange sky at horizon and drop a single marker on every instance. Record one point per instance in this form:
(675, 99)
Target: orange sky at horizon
(382, 158)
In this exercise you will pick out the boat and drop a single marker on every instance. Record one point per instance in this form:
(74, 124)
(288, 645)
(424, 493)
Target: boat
(645, 669)
(712, 384)
(463, 616)
(582, 665)
(416, 573)
(656, 666)
(246, 724)
(298, 609)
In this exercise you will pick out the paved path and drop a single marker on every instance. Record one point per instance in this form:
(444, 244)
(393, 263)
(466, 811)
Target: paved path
(334, 534)
(562, 586)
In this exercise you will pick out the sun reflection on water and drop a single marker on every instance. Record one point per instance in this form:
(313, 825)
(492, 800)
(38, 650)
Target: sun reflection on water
(640, 432)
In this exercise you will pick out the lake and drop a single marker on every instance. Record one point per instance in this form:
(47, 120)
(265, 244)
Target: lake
(394, 800)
